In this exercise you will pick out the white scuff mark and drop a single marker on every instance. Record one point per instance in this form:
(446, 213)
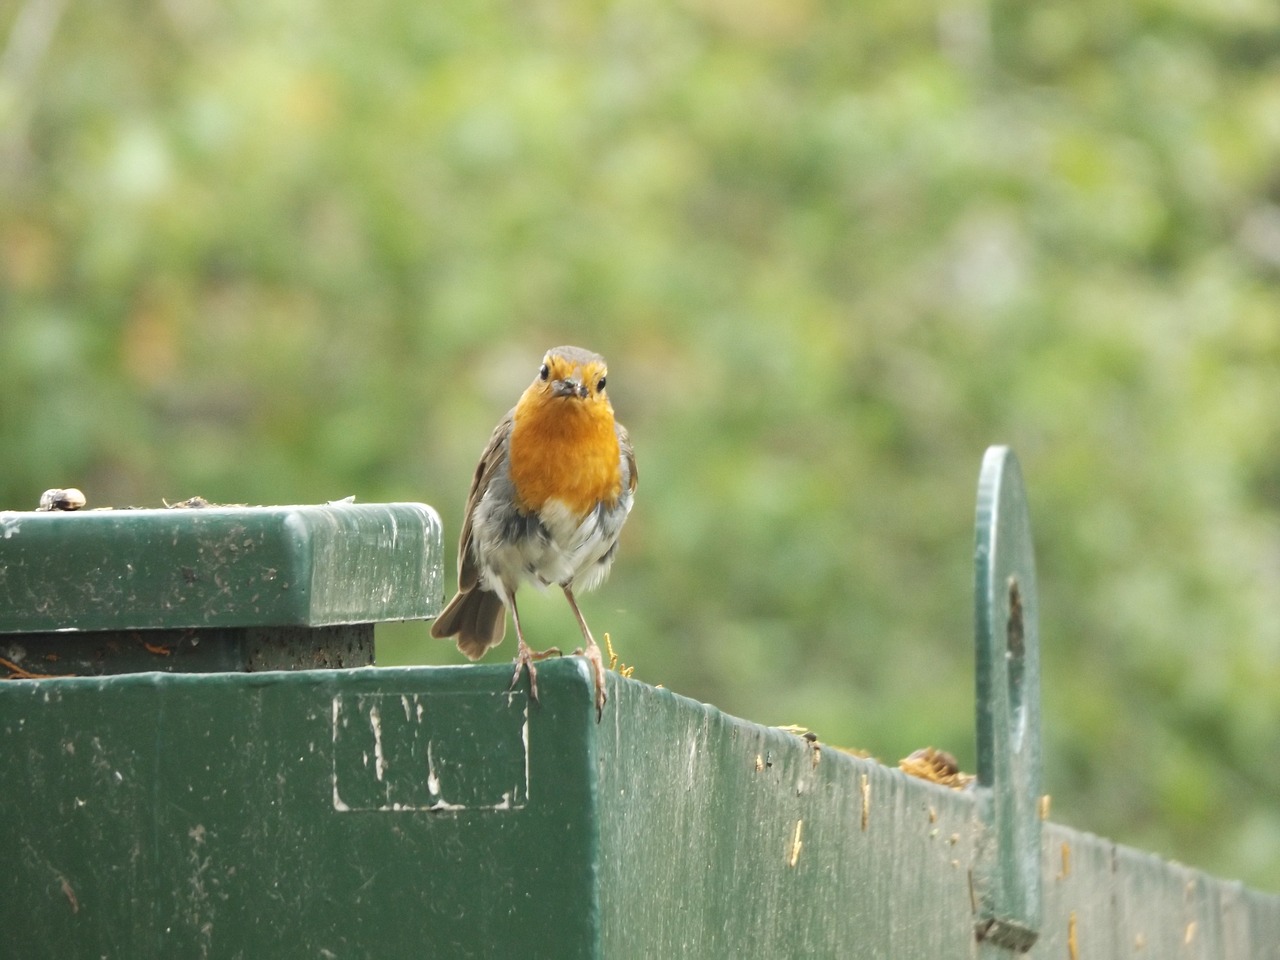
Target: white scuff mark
(338, 804)
(9, 525)
(201, 903)
(433, 779)
(444, 806)
(524, 737)
(424, 793)
(379, 761)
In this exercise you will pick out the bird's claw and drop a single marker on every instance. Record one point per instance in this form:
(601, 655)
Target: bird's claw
(601, 698)
(592, 653)
(525, 659)
(521, 664)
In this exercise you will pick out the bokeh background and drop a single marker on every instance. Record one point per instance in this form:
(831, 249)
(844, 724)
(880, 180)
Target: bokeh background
(274, 251)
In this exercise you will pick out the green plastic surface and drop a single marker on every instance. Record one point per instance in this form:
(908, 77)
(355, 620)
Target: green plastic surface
(219, 567)
(362, 813)
(428, 812)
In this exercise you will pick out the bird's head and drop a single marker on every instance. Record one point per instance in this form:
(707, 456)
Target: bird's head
(572, 374)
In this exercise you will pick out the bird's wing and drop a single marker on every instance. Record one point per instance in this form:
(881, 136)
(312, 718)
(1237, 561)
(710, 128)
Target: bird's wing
(490, 460)
(628, 455)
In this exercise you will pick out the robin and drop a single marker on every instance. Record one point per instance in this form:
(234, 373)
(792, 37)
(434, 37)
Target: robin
(548, 500)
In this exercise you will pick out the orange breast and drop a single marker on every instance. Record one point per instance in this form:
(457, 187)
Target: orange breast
(564, 449)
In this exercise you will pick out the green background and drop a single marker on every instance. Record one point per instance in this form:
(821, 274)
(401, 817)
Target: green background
(279, 252)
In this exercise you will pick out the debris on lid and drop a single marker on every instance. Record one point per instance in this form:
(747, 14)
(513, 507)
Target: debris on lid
(811, 738)
(614, 664)
(796, 730)
(191, 503)
(59, 499)
(936, 766)
(859, 752)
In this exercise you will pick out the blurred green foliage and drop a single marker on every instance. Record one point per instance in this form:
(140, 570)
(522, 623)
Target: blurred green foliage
(276, 252)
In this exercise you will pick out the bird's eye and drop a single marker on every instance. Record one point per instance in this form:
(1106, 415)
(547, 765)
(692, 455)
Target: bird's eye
(544, 372)
(600, 385)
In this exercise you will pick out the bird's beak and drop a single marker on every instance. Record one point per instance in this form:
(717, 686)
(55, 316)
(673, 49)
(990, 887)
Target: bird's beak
(568, 387)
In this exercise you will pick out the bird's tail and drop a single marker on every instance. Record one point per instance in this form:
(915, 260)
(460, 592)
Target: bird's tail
(476, 617)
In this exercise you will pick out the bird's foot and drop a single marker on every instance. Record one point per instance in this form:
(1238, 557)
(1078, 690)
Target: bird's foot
(525, 659)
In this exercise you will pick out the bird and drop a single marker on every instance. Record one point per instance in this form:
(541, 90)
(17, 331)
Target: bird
(550, 495)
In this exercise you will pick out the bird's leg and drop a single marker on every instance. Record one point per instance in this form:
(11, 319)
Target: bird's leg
(525, 656)
(592, 652)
